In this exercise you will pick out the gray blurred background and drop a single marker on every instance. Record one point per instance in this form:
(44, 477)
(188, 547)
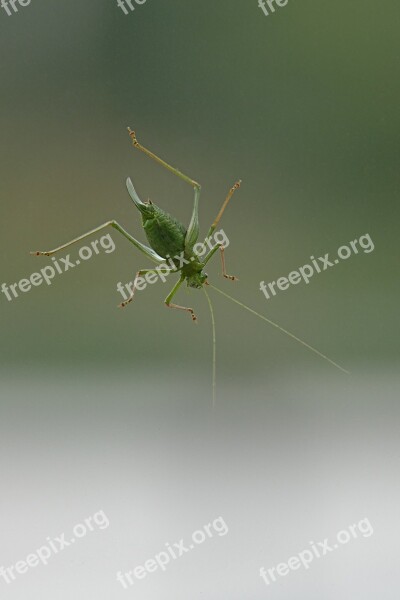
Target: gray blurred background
(111, 410)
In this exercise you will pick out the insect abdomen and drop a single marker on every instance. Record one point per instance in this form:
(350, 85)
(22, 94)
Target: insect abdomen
(166, 235)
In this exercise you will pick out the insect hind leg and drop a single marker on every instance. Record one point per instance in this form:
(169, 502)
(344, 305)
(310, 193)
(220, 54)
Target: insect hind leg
(162, 162)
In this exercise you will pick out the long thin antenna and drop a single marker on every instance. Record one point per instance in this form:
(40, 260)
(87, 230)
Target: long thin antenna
(281, 329)
(214, 372)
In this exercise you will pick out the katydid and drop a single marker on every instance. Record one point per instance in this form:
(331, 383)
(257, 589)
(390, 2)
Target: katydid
(169, 238)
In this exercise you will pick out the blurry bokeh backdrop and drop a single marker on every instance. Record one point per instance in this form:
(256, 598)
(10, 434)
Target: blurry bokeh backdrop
(109, 409)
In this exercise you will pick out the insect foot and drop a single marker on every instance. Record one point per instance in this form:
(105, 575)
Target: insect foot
(191, 312)
(133, 136)
(39, 253)
(231, 277)
(123, 304)
(236, 186)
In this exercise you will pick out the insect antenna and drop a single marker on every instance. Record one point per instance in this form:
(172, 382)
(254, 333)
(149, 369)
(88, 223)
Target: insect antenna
(214, 369)
(303, 343)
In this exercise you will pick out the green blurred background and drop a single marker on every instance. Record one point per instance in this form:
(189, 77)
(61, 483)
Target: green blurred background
(302, 105)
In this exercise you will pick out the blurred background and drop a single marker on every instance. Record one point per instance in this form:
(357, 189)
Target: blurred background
(103, 409)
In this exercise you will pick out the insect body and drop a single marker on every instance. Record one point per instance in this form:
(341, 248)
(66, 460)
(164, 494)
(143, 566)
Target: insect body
(168, 238)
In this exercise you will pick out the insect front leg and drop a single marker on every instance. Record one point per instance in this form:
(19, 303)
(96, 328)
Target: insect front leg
(231, 277)
(222, 251)
(172, 294)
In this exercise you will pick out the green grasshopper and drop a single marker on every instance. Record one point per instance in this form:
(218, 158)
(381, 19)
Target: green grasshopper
(167, 237)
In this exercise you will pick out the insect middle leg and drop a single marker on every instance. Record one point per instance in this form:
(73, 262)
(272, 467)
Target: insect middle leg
(172, 294)
(138, 274)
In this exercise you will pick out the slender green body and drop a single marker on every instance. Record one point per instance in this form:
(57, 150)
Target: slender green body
(170, 241)
(168, 238)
